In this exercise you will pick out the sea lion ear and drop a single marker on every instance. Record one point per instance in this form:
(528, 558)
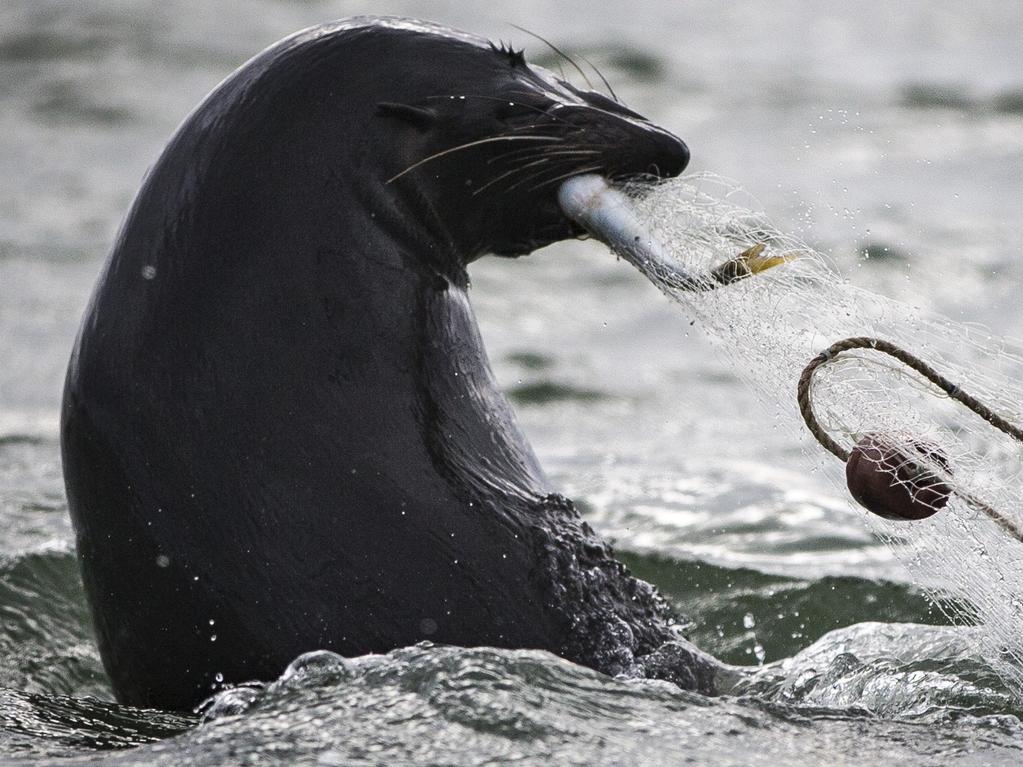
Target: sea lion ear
(419, 117)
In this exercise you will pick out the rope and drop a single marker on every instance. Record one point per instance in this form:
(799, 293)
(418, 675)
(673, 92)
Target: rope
(915, 363)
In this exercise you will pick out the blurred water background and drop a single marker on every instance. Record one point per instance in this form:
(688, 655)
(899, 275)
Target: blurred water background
(889, 136)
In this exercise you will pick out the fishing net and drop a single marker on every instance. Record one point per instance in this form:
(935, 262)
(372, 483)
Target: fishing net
(947, 459)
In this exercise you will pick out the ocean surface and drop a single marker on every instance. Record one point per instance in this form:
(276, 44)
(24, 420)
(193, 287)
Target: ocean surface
(889, 136)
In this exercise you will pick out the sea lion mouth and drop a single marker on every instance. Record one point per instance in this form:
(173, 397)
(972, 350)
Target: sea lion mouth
(601, 139)
(626, 155)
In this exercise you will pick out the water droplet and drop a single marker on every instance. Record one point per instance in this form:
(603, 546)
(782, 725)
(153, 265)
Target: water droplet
(148, 272)
(428, 626)
(758, 650)
(163, 561)
(748, 621)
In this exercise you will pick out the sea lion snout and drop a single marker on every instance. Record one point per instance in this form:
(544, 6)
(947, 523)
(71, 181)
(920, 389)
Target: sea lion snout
(632, 145)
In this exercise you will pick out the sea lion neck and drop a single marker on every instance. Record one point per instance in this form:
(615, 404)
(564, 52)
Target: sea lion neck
(345, 293)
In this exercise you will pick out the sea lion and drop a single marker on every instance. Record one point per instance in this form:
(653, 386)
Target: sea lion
(280, 431)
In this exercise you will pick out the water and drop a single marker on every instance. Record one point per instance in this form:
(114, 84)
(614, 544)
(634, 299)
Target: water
(894, 132)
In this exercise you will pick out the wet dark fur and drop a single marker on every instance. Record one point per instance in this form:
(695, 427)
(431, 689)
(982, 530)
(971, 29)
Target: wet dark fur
(280, 429)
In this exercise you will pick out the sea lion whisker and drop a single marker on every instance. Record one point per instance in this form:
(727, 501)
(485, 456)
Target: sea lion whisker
(568, 154)
(610, 90)
(522, 150)
(516, 169)
(536, 127)
(576, 172)
(532, 151)
(522, 93)
(552, 164)
(572, 153)
(513, 156)
(545, 158)
(545, 151)
(518, 154)
(468, 145)
(518, 157)
(608, 112)
(559, 52)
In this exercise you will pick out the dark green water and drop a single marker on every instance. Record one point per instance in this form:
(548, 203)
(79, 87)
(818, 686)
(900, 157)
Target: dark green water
(890, 131)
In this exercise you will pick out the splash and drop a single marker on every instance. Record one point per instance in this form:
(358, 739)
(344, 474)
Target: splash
(783, 306)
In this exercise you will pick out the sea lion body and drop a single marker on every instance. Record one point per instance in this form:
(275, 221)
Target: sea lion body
(280, 431)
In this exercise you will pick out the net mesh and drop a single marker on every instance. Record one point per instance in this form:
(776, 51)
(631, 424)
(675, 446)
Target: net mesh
(770, 326)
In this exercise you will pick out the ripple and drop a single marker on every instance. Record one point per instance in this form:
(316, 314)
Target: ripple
(737, 614)
(444, 705)
(36, 726)
(46, 640)
(907, 671)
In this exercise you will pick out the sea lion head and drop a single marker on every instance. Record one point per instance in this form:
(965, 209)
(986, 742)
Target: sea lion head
(490, 138)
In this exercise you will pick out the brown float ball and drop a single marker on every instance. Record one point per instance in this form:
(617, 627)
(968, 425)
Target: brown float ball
(885, 479)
